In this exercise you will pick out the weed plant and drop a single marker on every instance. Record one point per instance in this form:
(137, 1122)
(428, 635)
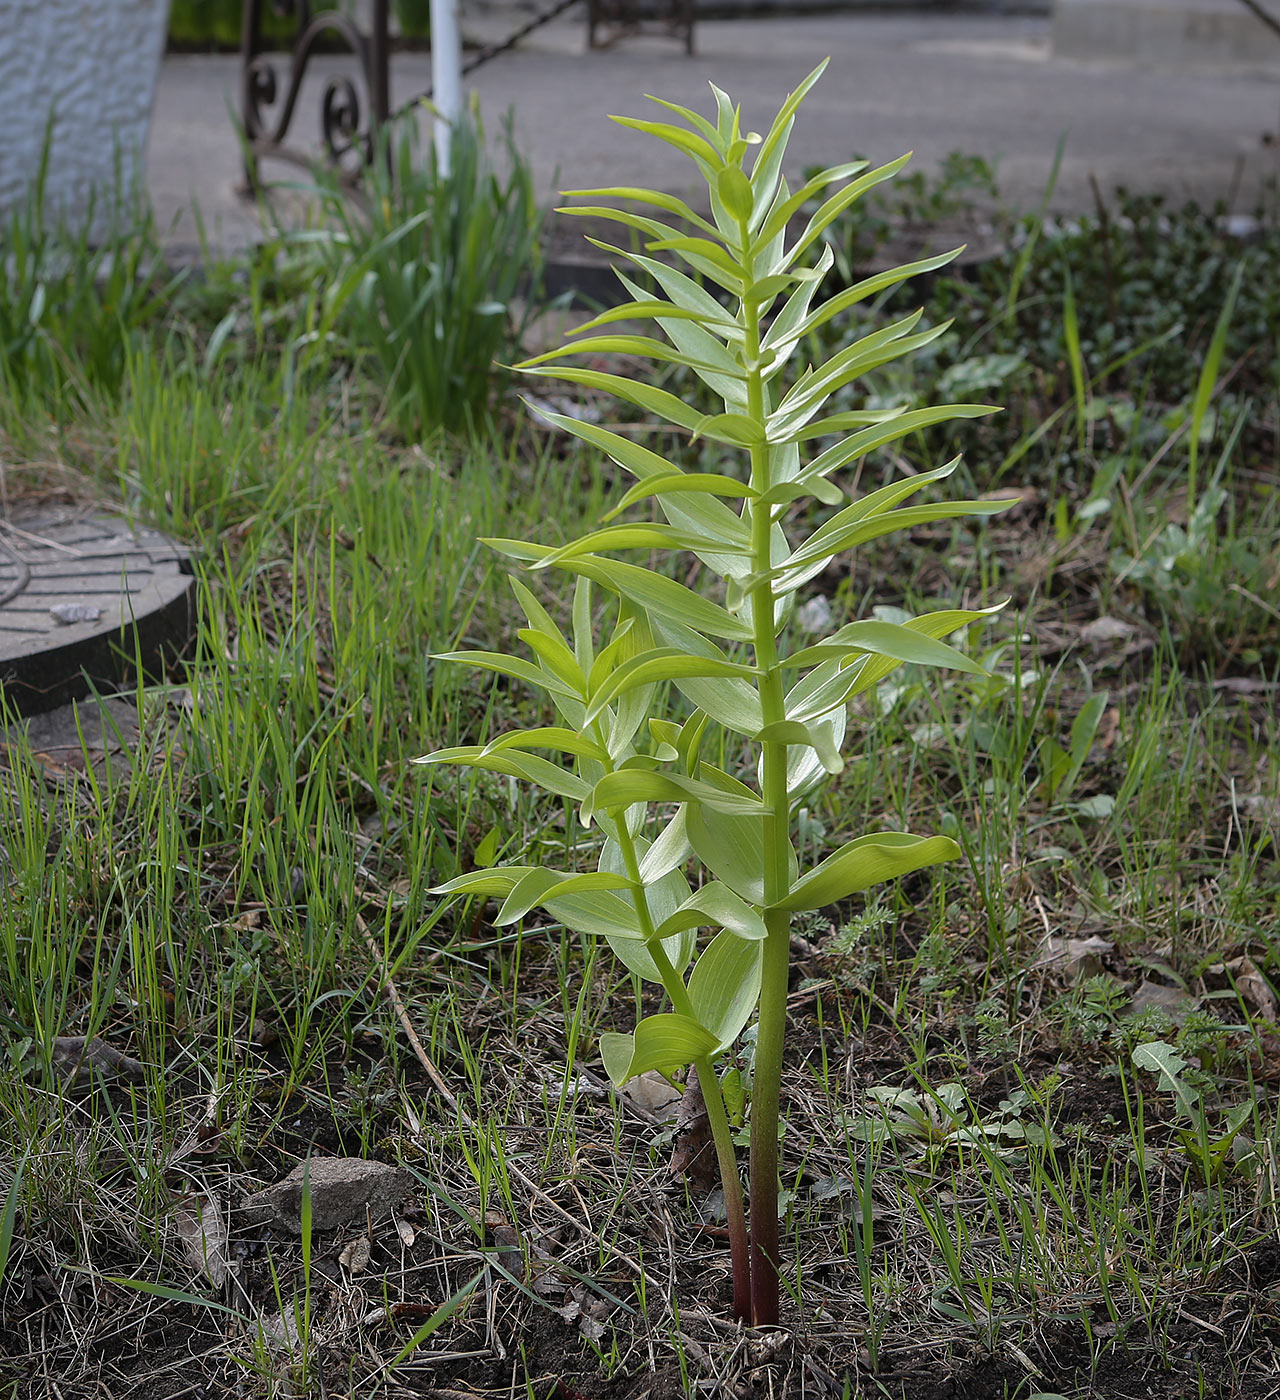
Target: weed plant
(660, 802)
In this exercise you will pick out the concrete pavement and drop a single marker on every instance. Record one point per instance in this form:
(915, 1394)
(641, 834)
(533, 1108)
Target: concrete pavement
(981, 84)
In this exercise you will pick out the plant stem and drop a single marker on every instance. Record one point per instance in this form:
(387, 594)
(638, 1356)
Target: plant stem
(731, 1183)
(777, 948)
(717, 1118)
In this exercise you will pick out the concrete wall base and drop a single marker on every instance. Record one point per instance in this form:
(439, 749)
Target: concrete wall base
(91, 67)
(1164, 33)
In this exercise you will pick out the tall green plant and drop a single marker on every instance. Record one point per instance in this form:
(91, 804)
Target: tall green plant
(639, 776)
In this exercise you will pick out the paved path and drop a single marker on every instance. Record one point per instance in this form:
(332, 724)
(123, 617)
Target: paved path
(980, 84)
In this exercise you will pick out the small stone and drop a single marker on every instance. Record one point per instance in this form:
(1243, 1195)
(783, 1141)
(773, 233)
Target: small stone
(343, 1190)
(68, 613)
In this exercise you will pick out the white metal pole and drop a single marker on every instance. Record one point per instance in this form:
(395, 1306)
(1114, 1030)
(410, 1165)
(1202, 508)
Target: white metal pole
(446, 75)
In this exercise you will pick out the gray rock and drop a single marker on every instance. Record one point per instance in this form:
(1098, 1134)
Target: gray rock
(343, 1190)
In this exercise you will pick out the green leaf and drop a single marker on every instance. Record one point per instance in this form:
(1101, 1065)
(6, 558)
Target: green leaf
(668, 852)
(839, 202)
(1160, 1058)
(721, 526)
(628, 537)
(654, 667)
(769, 156)
(538, 617)
(631, 785)
(782, 213)
(642, 309)
(724, 985)
(598, 912)
(708, 483)
(885, 639)
(555, 657)
(784, 333)
(731, 846)
(644, 347)
(1083, 730)
(813, 554)
(870, 860)
(514, 764)
(706, 147)
(499, 881)
(828, 687)
(514, 666)
(735, 193)
(715, 906)
(704, 342)
(893, 429)
(816, 735)
(540, 886)
(661, 897)
(666, 1042)
(737, 429)
(779, 341)
(703, 254)
(583, 637)
(730, 702)
(668, 203)
(809, 394)
(566, 740)
(684, 292)
(655, 593)
(656, 401)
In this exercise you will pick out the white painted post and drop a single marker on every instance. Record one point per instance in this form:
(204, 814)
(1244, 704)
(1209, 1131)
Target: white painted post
(446, 75)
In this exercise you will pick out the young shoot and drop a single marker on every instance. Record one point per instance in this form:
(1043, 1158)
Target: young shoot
(698, 878)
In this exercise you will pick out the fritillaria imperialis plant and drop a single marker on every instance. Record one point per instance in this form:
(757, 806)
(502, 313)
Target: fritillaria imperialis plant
(721, 657)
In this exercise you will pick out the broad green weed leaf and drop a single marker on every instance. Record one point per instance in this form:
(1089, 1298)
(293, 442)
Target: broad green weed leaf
(668, 852)
(499, 881)
(885, 639)
(715, 906)
(535, 888)
(661, 664)
(870, 860)
(515, 764)
(514, 666)
(729, 845)
(630, 785)
(666, 1042)
(724, 986)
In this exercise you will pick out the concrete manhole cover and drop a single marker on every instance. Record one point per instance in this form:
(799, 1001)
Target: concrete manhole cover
(82, 595)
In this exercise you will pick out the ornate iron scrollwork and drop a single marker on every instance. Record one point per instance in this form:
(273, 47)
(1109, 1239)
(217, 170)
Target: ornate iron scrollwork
(268, 104)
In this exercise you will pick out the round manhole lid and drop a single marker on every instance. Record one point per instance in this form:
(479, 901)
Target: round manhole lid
(84, 596)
